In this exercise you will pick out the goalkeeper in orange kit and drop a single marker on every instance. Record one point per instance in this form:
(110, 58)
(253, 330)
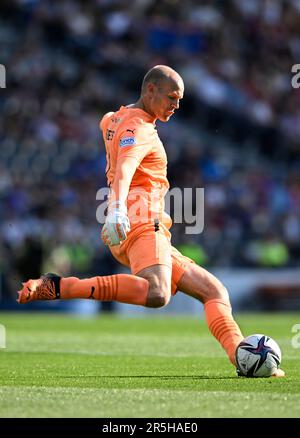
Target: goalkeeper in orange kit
(137, 168)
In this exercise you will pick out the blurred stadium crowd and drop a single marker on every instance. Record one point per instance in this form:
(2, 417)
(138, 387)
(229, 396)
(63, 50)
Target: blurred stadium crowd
(237, 133)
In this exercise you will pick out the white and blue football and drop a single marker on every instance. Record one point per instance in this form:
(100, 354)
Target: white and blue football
(257, 356)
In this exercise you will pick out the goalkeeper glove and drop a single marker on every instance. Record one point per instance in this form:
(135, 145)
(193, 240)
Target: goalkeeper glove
(116, 225)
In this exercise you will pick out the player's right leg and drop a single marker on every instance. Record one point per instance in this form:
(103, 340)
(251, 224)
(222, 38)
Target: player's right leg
(148, 253)
(151, 287)
(159, 278)
(123, 288)
(150, 257)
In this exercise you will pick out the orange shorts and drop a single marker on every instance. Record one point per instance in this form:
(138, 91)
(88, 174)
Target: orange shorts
(148, 245)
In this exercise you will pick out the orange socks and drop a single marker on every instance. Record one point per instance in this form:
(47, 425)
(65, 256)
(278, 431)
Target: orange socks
(131, 289)
(124, 288)
(222, 326)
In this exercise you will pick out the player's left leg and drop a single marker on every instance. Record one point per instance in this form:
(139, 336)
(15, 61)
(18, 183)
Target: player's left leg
(202, 285)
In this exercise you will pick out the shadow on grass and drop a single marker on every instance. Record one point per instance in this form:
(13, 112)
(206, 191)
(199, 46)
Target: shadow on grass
(153, 377)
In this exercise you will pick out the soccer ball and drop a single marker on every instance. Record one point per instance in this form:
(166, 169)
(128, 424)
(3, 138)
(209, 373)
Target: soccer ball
(257, 356)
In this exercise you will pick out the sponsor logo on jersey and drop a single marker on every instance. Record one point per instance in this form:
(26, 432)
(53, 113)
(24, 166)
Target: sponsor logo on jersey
(127, 141)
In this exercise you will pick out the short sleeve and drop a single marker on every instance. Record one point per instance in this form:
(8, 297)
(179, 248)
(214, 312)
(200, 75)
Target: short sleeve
(135, 142)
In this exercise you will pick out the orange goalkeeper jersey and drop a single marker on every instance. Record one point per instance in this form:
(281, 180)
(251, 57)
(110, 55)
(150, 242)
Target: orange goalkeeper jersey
(131, 132)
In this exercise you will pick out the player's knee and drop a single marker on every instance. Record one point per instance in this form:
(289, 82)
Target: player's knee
(224, 293)
(216, 291)
(158, 299)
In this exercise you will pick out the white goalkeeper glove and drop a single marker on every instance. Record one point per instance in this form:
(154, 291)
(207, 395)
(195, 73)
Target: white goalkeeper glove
(116, 225)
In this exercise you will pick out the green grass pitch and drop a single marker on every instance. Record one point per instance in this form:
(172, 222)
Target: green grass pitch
(164, 366)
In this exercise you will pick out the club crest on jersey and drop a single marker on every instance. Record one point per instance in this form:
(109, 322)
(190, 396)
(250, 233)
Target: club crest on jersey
(127, 141)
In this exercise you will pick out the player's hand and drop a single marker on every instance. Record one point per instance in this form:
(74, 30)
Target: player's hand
(116, 225)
